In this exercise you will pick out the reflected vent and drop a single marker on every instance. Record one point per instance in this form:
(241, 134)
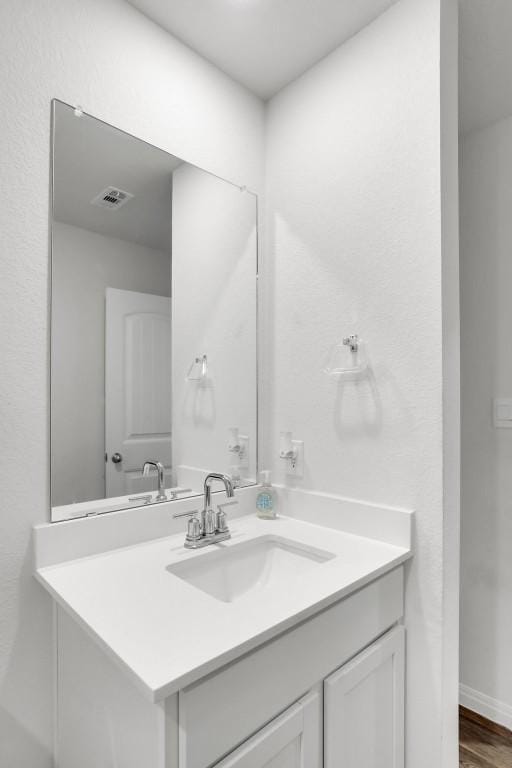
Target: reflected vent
(111, 198)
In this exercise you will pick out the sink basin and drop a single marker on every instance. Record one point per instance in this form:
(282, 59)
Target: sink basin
(231, 572)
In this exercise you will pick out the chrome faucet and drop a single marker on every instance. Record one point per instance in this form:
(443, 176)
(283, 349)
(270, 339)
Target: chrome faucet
(210, 477)
(208, 525)
(161, 496)
(212, 527)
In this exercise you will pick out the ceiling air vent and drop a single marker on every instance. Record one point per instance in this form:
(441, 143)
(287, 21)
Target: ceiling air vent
(111, 198)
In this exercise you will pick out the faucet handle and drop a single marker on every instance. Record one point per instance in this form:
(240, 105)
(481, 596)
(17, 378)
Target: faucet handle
(193, 527)
(227, 504)
(220, 517)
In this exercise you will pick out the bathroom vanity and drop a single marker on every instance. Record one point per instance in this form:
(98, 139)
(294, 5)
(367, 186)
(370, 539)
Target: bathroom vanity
(281, 647)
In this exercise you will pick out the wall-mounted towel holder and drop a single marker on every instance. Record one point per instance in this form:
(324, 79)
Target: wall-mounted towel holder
(347, 356)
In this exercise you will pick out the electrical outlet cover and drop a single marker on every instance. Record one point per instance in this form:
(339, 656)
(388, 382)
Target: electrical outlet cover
(298, 469)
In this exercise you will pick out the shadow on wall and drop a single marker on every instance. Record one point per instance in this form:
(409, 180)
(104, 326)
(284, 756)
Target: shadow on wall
(358, 409)
(199, 403)
(26, 683)
(357, 406)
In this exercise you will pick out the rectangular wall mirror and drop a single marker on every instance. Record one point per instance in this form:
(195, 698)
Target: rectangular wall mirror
(154, 322)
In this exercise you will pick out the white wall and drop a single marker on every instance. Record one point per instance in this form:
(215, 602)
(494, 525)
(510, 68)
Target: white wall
(125, 70)
(355, 244)
(214, 264)
(486, 323)
(85, 263)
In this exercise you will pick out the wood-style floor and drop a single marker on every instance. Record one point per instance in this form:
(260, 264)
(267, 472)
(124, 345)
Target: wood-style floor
(482, 743)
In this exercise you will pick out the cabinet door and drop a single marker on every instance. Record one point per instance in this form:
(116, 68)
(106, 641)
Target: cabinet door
(292, 740)
(364, 708)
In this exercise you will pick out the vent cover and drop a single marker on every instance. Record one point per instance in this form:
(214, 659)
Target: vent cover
(111, 198)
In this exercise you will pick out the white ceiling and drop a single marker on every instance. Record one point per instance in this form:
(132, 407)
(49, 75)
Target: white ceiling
(485, 62)
(90, 156)
(264, 44)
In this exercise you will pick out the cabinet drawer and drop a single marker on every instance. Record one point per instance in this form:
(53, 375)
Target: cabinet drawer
(221, 711)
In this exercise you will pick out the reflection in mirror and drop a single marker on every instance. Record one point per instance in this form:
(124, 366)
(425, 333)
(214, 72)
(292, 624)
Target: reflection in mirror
(154, 266)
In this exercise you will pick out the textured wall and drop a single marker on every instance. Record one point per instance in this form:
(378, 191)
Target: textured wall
(125, 70)
(355, 245)
(486, 321)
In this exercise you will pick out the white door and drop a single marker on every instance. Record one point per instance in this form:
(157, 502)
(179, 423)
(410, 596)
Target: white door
(292, 740)
(137, 388)
(364, 708)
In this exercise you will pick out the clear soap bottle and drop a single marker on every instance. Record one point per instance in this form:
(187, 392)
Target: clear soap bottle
(266, 500)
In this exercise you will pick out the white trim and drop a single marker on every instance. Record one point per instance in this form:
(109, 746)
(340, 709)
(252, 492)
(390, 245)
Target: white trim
(55, 683)
(484, 705)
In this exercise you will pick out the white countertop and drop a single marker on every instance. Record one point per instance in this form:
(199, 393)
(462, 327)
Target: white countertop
(167, 634)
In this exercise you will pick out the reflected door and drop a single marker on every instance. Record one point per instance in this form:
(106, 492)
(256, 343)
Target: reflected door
(137, 389)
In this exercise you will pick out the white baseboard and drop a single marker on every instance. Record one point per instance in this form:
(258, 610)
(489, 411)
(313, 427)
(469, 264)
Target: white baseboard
(484, 705)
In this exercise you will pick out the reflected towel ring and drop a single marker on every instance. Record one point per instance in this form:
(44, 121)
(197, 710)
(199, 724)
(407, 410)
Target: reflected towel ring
(200, 364)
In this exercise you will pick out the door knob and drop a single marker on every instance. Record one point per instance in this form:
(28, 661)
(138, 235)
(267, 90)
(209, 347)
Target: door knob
(116, 458)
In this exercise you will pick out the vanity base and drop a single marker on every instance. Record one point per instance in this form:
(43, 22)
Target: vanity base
(339, 672)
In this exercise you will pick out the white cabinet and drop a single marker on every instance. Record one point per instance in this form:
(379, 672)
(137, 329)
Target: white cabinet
(364, 708)
(224, 709)
(292, 740)
(280, 705)
(361, 726)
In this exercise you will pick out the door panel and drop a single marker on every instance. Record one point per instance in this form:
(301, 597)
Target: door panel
(137, 388)
(364, 708)
(292, 740)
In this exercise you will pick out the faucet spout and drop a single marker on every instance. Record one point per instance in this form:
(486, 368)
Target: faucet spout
(221, 478)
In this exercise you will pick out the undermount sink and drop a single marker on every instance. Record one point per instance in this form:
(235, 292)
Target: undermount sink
(230, 572)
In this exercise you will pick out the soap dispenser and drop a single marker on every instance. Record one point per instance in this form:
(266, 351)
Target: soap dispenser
(266, 500)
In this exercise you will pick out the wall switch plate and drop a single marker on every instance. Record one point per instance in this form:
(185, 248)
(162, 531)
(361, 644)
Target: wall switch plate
(298, 469)
(502, 412)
